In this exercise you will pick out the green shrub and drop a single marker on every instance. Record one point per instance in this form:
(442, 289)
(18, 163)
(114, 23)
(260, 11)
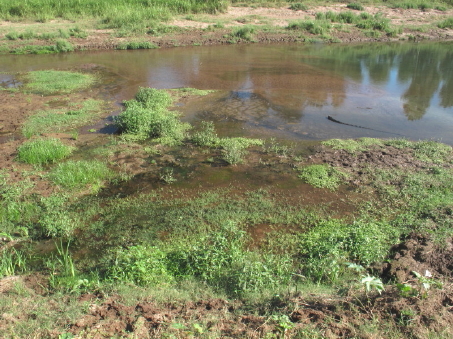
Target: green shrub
(62, 46)
(55, 220)
(322, 176)
(76, 174)
(245, 32)
(12, 35)
(206, 136)
(51, 82)
(310, 26)
(355, 6)
(43, 151)
(147, 117)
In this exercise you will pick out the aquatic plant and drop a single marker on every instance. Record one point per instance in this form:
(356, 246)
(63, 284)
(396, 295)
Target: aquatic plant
(43, 151)
(322, 176)
(51, 82)
(77, 174)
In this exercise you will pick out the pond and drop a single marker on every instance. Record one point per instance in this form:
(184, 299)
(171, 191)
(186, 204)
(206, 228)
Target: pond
(287, 91)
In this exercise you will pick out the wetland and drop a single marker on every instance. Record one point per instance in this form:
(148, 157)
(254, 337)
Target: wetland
(203, 192)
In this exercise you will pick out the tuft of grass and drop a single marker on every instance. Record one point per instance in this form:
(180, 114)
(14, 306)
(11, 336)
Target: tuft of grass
(322, 176)
(298, 6)
(43, 151)
(245, 33)
(77, 174)
(350, 145)
(447, 23)
(147, 116)
(317, 28)
(58, 120)
(136, 45)
(51, 82)
(355, 6)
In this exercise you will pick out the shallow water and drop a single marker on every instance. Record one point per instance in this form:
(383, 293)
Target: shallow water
(288, 91)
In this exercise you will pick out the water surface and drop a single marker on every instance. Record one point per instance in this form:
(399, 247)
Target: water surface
(286, 90)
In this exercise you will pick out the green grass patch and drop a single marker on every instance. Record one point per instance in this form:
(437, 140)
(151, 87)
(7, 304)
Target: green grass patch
(136, 45)
(355, 6)
(298, 6)
(78, 174)
(147, 116)
(43, 151)
(244, 32)
(322, 176)
(52, 82)
(314, 27)
(60, 120)
(447, 23)
(352, 145)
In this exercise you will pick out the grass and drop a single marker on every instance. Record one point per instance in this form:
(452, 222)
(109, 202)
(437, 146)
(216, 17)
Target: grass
(447, 23)
(56, 120)
(136, 45)
(147, 116)
(52, 82)
(322, 176)
(43, 151)
(78, 174)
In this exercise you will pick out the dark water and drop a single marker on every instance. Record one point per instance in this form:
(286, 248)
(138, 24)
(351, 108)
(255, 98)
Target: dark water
(287, 91)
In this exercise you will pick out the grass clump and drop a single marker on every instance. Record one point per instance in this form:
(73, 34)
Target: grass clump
(77, 174)
(233, 149)
(431, 151)
(43, 151)
(244, 33)
(316, 28)
(52, 82)
(322, 176)
(147, 116)
(298, 6)
(447, 23)
(326, 248)
(137, 45)
(351, 145)
(58, 120)
(355, 6)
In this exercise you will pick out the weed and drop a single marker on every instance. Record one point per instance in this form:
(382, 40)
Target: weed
(355, 6)
(12, 262)
(298, 7)
(12, 35)
(136, 45)
(310, 26)
(147, 116)
(63, 45)
(447, 23)
(51, 82)
(77, 174)
(352, 146)
(244, 32)
(43, 151)
(322, 176)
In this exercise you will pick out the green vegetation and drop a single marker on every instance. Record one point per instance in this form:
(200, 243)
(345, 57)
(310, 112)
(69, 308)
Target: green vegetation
(147, 116)
(56, 120)
(355, 6)
(136, 45)
(78, 174)
(43, 151)
(322, 176)
(447, 23)
(298, 6)
(244, 32)
(52, 82)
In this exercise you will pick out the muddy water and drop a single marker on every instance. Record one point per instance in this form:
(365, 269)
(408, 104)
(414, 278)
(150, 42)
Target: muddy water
(288, 91)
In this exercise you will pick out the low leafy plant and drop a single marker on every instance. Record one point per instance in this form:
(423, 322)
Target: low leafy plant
(77, 174)
(245, 33)
(12, 262)
(322, 176)
(43, 151)
(136, 45)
